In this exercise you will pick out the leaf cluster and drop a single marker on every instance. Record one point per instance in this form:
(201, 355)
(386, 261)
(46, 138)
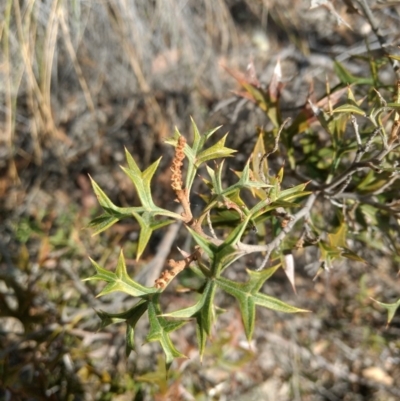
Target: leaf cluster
(340, 151)
(212, 255)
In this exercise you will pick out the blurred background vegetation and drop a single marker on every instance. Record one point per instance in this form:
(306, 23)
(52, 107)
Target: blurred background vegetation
(82, 79)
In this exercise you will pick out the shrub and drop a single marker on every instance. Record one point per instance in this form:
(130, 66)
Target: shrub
(336, 188)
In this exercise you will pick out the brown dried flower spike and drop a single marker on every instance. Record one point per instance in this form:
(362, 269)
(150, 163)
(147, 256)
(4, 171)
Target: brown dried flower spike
(175, 268)
(177, 164)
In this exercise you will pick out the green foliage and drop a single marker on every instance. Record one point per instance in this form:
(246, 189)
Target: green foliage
(343, 175)
(214, 255)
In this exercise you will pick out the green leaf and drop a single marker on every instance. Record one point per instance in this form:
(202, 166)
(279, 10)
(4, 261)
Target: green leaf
(246, 181)
(160, 329)
(131, 321)
(203, 312)
(393, 105)
(129, 340)
(226, 253)
(349, 254)
(103, 199)
(215, 152)
(294, 193)
(259, 96)
(329, 253)
(261, 215)
(338, 239)
(349, 108)
(248, 296)
(347, 78)
(197, 155)
(148, 224)
(119, 281)
(208, 247)
(141, 180)
(132, 315)
(391, 308)
(200, 140)
(275, 304)
(101, 223)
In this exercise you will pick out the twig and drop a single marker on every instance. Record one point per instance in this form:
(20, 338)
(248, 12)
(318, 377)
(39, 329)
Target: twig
(391, 208)
(375, 28)
(266, 155)
(305, 211)
(371, 163)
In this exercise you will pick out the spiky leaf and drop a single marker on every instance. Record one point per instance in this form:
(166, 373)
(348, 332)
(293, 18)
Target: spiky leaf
(148, 224)
(203, 312)
(119, 281)
(160, 328)
(391, 308)
(141, 180)
(248, 296)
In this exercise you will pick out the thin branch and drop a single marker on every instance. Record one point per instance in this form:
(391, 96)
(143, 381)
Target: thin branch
(393, 208)
(371, 163)
(266, 155)
(269, 248)
(375, 28)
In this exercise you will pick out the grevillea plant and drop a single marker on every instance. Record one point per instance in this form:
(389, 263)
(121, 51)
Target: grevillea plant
(344, 158)
(210, 256)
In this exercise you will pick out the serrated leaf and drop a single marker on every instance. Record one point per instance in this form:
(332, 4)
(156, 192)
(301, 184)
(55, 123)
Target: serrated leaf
(276, 304)
(103, 199)
(132, 315)
(328, 253)
(119, 281)
(148, 224)
(248, 296)
(203, 312)
(141, 180)
(246, 181)
(391, 308)
(192, 153)
(208, 247)
(338, 239)
(159, 331)
(215, 152)
(226, 253)
(200, 140)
